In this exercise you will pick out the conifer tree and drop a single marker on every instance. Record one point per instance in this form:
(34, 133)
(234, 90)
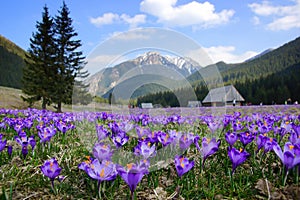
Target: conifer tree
(38, 73)
(70, 60)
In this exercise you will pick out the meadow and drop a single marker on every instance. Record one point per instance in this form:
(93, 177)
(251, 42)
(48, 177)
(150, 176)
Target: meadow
(250, 152)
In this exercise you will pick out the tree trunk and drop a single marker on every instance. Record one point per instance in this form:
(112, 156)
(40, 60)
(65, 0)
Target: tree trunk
(58, 107)
(44, 104)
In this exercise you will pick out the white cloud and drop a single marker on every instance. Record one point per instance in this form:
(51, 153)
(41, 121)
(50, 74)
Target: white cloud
(255, 20)
(136, 34)
(284, 17)
(226, 54)
(99, 62)
(111, 18)
(133, 21)
(193, 13)
(105, 19)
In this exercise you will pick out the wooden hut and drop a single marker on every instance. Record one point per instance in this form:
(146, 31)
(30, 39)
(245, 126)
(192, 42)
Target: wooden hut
(222, 96)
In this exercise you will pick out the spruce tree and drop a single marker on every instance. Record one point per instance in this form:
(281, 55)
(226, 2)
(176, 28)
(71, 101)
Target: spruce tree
(38, 74)
(70, 60)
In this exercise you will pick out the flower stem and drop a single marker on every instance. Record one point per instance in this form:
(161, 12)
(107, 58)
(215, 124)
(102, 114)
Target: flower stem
(285, 178)
(52, 186)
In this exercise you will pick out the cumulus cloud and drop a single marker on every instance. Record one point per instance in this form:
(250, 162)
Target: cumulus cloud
(284, 17)
(111, 18)
(105, 19)
(133, 35)
(227, 54)
(193, 13)
(98, 62)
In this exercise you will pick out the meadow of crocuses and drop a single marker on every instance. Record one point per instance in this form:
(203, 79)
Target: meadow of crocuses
(231, 153)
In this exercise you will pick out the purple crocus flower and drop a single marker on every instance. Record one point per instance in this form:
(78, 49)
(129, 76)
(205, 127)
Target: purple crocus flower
(261, 140)
(9, 150)
(102, 151)
(46, 134)
(62, 126)
(294, 138)
(183, 165)
(2, 143)
(269, 144)
(120, 139)
(104, 171)
(209, 147)
(237, 157)
(213, 126)
(290, 156)
(164, 138)
(51, 169)
(102, 132)
(144, 149)
(142, 132)
(246, 138)
(132, 174)
(86, 164)
(24, 141)
(231, 138)
(186, 140)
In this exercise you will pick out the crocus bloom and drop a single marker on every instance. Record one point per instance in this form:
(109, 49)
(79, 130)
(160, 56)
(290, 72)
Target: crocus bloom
(9, 150)
(186, 140)
(246, 138)
(102, 132)
(289, 156)
(102, 151)
(209, 147)
(142, 132)
(295, 138)
(164, 138)
(237, 157)
(261, 140)
(51, 169)
(213, 126)
(132, 174)
(120, 139)
(86, 164)
(62, 126)
(2, 143)
(24, 141)
(144, 149)
(46, 134)
(104, 171)
(231, 138)
(183, 165)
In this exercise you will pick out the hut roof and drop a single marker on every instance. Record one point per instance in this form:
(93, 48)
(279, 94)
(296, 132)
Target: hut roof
(223, 94)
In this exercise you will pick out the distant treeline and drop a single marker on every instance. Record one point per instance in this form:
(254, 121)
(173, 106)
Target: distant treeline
(272, 89)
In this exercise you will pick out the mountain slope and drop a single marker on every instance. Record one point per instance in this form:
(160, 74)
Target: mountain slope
(11, 63)
(267, 64)
(104, 81)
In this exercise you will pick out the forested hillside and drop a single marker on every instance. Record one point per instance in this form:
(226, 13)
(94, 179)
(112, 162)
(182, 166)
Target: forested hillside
(11, 63)
(271, 78)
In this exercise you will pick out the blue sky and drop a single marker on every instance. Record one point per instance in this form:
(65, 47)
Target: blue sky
(231, 30)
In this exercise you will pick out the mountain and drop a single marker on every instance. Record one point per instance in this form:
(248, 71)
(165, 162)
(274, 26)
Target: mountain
(261, 54)
(11, 63)
(269, 78)
(150, 63)
(264, 65)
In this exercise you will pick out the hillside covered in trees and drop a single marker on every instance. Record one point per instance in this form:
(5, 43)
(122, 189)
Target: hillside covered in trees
(271, 78)
(11, 63)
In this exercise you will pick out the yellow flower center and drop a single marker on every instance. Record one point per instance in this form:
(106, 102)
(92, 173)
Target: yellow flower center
(129, 166)
(241, 150)
(291, 147)
(102, 173)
